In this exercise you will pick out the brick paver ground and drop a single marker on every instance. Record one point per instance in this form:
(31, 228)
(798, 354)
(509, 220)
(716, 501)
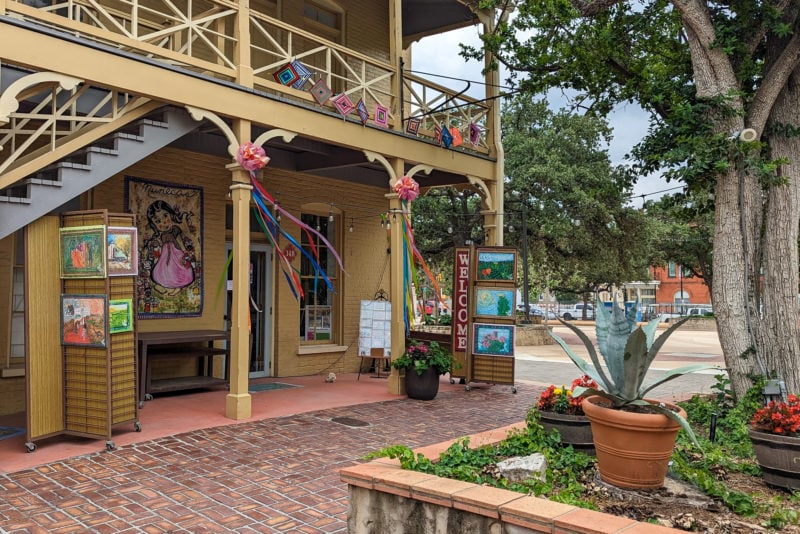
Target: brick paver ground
(274, 475)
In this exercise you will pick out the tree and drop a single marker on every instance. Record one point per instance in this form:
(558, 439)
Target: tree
(705, 70)
(580, 235)
(683, 230)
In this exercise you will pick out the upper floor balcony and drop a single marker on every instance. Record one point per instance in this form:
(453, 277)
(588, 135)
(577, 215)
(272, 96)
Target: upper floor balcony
(248, 42)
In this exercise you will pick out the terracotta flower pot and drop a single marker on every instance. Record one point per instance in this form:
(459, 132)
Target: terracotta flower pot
(779, 458)
(424, 386)
(633, 449)
(575, 430)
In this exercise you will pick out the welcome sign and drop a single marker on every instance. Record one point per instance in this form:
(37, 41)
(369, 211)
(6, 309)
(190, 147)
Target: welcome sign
(460, 326)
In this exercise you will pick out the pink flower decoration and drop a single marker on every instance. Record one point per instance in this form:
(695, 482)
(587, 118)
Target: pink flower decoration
(407, 188)
(252, 157)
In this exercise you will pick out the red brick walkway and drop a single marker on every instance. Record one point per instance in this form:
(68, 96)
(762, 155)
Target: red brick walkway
(273, 475)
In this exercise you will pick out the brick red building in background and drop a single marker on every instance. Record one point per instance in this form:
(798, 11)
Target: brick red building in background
(677, 287)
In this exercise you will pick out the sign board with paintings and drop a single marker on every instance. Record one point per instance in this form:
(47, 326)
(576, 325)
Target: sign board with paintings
(375, 327)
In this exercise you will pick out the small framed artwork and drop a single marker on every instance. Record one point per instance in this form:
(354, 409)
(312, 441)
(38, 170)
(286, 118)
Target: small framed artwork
(83, 251)
(122, 251)
(494, 302)
(493, 339)
(120, 315)
(496, 265)
(84, 320)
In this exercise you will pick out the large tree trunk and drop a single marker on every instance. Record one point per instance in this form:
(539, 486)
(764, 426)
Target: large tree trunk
(731, 283)
(779, 332)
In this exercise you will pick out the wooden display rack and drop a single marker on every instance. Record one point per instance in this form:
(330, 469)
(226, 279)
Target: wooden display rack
(491, 331)
(98, 385)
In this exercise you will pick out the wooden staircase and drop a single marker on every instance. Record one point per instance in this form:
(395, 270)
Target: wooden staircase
(57, 184)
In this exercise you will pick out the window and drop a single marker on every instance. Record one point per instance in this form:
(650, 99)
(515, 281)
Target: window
(671, 269)
(318, 317)
(321, 15)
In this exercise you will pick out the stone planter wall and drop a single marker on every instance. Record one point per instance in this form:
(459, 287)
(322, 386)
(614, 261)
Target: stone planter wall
(700, 323)
(385, 498)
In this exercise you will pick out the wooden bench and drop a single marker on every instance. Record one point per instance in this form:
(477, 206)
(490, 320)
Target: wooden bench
(184, 344)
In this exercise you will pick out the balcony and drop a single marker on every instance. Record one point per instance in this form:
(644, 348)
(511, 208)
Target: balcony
(204, 37)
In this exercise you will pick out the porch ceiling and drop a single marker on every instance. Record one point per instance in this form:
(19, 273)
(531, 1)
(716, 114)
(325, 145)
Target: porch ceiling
(316, 158)
(428, 17)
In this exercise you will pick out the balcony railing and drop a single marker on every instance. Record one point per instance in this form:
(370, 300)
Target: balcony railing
(201, 36)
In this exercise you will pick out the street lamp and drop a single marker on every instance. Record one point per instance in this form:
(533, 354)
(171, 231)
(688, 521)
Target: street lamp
(524, 243)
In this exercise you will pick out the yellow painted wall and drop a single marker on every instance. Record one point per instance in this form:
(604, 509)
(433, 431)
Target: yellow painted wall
(363, 253)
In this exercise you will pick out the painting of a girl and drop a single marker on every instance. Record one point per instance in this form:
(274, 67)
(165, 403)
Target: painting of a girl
(169, 219)
(172, 250)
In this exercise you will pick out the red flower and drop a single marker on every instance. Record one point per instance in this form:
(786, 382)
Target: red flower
(779, 417)
(560, 400)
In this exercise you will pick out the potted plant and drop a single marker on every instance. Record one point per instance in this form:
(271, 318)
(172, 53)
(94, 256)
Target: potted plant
(775, 434)
(557, 408)
(634, 436)
(423, 363)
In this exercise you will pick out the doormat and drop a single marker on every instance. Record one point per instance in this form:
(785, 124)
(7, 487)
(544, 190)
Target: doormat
(10, 431)
(269, 386)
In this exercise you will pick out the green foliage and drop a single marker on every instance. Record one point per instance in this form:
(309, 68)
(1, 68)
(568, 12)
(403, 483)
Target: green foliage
(730, 452)
(563, 197)
(566, 468)
(420, 356)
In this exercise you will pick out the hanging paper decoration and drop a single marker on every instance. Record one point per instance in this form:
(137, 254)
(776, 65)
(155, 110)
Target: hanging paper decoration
(413, 125)
(321, 92)
(408, 189)
(457, 139)
(361, 109)
(446, 137)
(252, 157)
(303, 74)
(474, 134)
(343, 104)
(286, 75)
(381, 116)
(437, 133)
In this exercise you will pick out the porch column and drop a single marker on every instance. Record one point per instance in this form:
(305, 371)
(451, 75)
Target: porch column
(397, 386)
(492, 79)
(238, 401)
(396, 57)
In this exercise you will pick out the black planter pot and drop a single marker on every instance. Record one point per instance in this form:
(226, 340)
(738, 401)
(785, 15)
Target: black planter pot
(424, 386)
(575, 430)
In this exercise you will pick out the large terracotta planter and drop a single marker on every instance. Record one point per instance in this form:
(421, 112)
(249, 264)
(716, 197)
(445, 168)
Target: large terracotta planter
(633, 449)
(575, 430)
(779, 458)
(424, 386)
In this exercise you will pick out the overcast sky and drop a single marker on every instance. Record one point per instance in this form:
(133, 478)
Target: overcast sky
(439, 54)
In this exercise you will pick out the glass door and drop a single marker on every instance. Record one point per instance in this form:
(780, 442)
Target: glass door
(260, 308)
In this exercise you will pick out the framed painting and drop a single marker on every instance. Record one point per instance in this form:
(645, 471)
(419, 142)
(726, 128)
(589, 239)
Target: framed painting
(496, 265)
(82, 251)
(494, 302)
(121, 251)
(84, 320)
(169, 219)
(493, 339)
(120, 315)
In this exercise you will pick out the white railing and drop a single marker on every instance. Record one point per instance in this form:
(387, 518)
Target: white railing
(435, 105)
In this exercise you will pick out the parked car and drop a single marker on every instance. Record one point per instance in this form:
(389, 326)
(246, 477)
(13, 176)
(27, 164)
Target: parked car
(550, 315)
(576, 312)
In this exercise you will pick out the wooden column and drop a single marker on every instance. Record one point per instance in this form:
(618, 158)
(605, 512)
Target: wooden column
(395, 57)
(238, 401)
(492, 79)
(397, 385)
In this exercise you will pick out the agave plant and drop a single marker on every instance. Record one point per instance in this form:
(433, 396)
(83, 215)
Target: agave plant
(628, 350)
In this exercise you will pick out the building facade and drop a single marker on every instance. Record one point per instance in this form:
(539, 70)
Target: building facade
(141, 108)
